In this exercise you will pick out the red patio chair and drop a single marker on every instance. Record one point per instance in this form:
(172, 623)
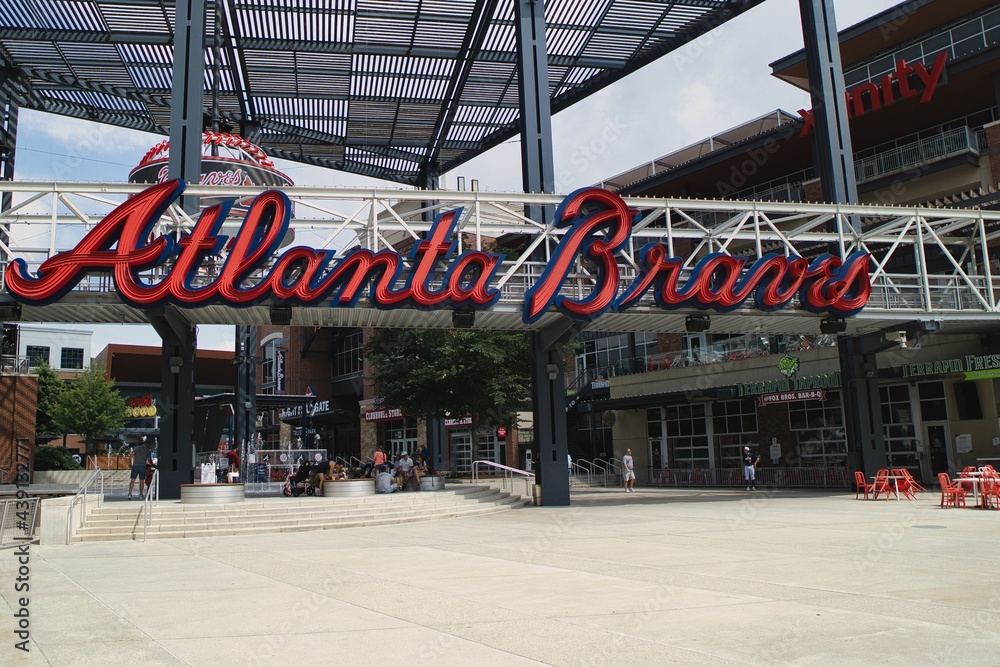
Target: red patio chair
(862, 485)
(913, 482)
(989, 489)
(882, 484)
(904, 485)
(951, 494)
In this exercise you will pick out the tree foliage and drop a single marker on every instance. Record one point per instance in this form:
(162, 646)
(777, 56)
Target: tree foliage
(54, 458)
(437, 373)
(50, 389)
(91, 405)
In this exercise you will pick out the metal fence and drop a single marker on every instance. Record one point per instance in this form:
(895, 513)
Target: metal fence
(18, 519)
(834, 477)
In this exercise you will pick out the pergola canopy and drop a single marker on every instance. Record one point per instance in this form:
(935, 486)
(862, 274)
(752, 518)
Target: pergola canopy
(391, 89)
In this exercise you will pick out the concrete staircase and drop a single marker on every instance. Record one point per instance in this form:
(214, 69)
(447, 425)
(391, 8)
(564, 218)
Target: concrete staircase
(171, 519)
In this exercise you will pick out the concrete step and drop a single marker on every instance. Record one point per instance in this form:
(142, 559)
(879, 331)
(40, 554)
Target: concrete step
(290, 515)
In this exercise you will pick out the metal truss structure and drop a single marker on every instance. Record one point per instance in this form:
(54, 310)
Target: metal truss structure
(927, 264)
(390, 89)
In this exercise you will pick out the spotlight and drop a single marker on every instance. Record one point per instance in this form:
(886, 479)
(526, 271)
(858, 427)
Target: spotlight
(696, 323)
(281, 315)
(463, 319)
(10, 312)
(833, 325)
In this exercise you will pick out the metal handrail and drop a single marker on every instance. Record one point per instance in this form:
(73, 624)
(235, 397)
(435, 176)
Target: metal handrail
(25, 526)
(341, 460)
(588, 466)
(152, 497)
(82, 493)
(587, 471)
(600, 466)
(508, 473)
(355, 458)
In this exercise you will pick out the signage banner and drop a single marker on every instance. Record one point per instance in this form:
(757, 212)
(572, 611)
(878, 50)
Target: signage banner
(906, 81)
(383, 414)
(599, 226)
(831, 381)
(315, 407)
(975, 367)
(983, 375)
(279, 370)
(792, 396)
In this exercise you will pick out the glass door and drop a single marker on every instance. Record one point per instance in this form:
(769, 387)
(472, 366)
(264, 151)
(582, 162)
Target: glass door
(656, 458)
(461, 450)
(938, 457)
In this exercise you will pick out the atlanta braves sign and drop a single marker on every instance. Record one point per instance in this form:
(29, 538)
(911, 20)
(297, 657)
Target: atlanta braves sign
(598, 226)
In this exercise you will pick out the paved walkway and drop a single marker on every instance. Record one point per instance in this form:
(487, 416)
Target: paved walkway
(665, 577)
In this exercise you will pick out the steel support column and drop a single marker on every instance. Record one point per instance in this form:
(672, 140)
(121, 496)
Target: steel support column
(176, 445)
(178, 336)
(862, 403)
(548, 388)
(833, 154)
(8, 143)
(187, 101)
(537, 164)
(245, 410)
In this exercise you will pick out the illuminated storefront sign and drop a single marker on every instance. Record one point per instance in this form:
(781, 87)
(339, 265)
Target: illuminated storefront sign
(383, 414)
(792, 396)
(318, 407)
(975, 367)
(140, 407)
(871, 96)
(790, 385)
(599, 225)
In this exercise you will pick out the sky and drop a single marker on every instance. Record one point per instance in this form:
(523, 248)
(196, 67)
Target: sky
(712, 84)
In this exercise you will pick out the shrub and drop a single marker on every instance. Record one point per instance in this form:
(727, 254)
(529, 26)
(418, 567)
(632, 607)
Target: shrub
(54, 458)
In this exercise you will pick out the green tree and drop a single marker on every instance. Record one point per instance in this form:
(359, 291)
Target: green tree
(54, 458)
(91, 405)
(50, 388)
(436, 373)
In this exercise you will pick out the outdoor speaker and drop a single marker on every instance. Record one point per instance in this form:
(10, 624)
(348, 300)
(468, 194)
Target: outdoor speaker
(697, 323)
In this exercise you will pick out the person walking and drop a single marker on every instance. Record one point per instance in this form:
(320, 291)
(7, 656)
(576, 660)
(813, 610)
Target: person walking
(628, 472)
(140, 459)
(750, 460)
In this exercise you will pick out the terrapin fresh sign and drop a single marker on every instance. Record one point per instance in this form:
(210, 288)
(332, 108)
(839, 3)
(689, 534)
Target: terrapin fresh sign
(599, 227)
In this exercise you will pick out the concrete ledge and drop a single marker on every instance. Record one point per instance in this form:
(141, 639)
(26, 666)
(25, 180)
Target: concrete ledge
(207, 494)
(435, 483)
(349, 488)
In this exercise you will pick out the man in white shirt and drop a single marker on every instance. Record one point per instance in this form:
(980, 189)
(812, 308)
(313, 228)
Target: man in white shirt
(628, 472)
(383, 482)
(404, 469)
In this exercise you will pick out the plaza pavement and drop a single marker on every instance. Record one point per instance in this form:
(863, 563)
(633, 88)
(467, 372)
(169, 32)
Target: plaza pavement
(658, 577)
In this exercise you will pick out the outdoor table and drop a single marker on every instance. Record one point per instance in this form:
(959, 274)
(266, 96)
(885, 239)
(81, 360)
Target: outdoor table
(973, 478)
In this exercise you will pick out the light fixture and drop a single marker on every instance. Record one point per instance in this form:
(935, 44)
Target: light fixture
(463, 319)
(697, 323)
(833, 325)
(281, 315)
(10, 312)
(552, 371)
(175, 364)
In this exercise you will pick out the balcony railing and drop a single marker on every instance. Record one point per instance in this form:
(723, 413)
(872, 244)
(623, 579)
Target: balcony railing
(732, 349)
(923, 152)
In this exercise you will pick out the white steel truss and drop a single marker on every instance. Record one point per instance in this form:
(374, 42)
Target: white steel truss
(927, 264)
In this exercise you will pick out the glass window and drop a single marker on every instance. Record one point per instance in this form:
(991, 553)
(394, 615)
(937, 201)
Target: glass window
(37, 355)
(734, 422)
(268, 367)
(933, 406)
(687, 431)
(819, 429)
(349, 358)
(71, 358)
(897, 425)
